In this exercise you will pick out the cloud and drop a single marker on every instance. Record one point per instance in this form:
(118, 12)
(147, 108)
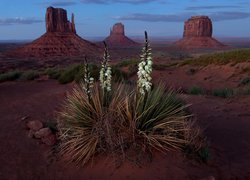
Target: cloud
(58, 3)
(221, 16)
(19, 20)
(118, 1)
(155, 17)
(216, 16)
(194, 8)
(62, 3)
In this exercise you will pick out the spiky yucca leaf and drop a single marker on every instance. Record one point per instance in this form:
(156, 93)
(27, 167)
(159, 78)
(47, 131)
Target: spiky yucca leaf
(160, 117)
(87, 126)
(77, 125)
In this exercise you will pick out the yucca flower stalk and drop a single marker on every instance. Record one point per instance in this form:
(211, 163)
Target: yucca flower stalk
(105, 76)
(144, 69)
(88, 81)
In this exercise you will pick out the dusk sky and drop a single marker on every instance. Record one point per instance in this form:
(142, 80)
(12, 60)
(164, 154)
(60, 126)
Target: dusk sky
(25, 19)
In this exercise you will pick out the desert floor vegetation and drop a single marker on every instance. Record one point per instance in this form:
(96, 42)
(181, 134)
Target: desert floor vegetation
(116, 118)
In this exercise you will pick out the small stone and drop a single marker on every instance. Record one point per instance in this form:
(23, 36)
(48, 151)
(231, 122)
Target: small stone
(35, 125)
(44, 132)
(24, 118)
(208, 178)
(31, 133)
(49, 140)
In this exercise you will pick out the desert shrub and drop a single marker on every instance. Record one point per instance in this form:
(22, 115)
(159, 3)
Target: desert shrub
(159, 67)
(53, 73)
(202, 154)
(246, 90)
(234, 56)
(245, 80)
(94, 70)
(30, 75)
(119, 75)
(191, 71)
(195, 90)
(223, 92)
(127, 63)
(10, 76)
(68, 75)
(114, 119)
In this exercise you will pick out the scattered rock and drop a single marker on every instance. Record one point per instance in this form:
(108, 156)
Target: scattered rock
(31, 133)
(49, 140)
(208, 178)
(117, 37)
(24, 118)
(198, 34)
(44, 132)
(34, 125)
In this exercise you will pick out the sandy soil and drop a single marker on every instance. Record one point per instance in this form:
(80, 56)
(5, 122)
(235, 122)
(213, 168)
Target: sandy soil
(209, 77)
(226, 123)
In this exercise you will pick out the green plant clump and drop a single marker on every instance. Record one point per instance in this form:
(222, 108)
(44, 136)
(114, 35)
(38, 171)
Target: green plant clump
(223, 92)
(195, 90)
(245, 80)
(233, 56)
(53, 73)
(30, 75)
(10, 76)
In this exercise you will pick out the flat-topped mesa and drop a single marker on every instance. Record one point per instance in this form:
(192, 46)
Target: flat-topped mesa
(118, 29)
(118, 38)
(198, 26)
(57, 21)
(197, 33)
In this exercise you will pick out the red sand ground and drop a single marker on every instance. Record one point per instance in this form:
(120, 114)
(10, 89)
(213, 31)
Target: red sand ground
(226, 123)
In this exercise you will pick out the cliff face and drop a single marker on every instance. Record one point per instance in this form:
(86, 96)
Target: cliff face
(60, 39)
(198, 26)
(117, 37)
(57, 21)
(197, 33)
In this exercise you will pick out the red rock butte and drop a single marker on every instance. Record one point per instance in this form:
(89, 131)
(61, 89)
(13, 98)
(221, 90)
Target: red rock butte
(118, 38)
(197, 33)
(60, 39)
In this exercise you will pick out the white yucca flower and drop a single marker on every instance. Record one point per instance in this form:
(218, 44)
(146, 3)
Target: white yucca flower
(145, 68)
(88, 81)
(105, 72)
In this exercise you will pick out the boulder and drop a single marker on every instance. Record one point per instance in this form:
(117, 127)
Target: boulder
(34, 125)
(44, 132)
(49, 140)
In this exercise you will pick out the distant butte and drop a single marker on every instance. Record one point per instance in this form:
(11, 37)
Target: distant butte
(60, 39)
(118, 38)
(198, 34)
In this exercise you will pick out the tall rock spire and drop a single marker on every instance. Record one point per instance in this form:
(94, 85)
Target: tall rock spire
(57, 21)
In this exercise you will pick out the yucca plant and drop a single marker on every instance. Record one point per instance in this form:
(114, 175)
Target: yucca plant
(100, 119)
(86, 127)
(144, 69)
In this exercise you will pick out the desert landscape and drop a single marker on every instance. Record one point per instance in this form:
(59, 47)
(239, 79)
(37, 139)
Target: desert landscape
(68, 111)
